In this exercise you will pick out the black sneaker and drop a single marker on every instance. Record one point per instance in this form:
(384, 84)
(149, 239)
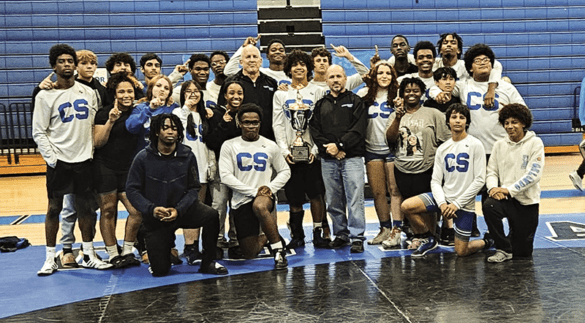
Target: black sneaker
(357, 247)
(489, 242)
(338, 243)
(118, 262)
(280, 261)
(318, 241)
(131, 260)
(295, 243)
(192, 254)
(447, 237)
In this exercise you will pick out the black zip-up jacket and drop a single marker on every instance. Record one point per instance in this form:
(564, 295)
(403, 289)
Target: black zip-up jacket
(220, 131)
(341, 120)
(260, 92)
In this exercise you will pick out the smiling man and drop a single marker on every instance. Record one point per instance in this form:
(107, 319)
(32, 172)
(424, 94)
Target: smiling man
(199, 66)
(306, 177)
(275, 53)
(424, 55)
(258, 87)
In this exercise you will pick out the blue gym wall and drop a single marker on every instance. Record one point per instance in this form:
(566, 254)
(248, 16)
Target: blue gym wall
(540, 43)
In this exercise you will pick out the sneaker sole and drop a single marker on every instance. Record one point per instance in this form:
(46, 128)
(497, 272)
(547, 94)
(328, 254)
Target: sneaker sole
(574, 180)
(418, 255)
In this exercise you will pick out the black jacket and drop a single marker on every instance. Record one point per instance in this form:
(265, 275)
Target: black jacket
(167, 181)
(260, 92)
(341, 120)
(220, 130)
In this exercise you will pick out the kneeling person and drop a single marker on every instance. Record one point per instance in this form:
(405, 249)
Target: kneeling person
(163, 184)
(245, 166)
(458, 175)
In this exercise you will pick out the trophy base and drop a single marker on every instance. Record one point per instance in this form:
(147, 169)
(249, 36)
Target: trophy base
(300, 154)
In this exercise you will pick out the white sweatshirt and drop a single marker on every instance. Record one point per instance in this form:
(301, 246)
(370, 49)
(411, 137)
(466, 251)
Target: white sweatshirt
(517, 167)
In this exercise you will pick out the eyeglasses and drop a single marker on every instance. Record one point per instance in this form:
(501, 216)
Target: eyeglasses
(188, 93)
(481, 60)
(214, 64)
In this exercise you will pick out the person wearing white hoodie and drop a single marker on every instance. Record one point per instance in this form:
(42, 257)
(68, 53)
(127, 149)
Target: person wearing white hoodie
(513, 182)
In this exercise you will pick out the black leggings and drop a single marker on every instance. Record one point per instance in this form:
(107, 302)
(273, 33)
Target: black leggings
(160, 241)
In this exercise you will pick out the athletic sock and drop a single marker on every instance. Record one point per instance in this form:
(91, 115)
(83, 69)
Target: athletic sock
(397, 223)
(317, 225)
(386, 224)
(88, 249)
(112, 251)
(277, 245)
(127, 247)
(50, 252)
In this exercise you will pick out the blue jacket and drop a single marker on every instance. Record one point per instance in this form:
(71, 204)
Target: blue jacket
(167, 181)
(138, 122)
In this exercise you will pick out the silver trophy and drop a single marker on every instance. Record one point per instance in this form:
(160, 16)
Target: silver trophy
(299, 115)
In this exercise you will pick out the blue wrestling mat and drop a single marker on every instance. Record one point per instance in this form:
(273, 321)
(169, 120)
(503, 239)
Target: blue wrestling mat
(24, 291)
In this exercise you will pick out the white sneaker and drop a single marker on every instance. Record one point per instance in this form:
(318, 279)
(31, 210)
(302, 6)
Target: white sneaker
(49, 267)
(95, 263)
(382, 235)
(394, 239)
(577, 180)
(500, 256)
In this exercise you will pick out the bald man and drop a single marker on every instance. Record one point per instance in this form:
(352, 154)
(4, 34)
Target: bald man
(258, 87)
(338, 128)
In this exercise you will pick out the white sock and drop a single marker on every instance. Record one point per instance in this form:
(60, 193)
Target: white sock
(127, 247)
(112, 251)
(317, 225)
(50, 252)
(276, 246)
(88, 249)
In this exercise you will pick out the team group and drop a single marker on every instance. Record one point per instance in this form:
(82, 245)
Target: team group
(434, 130)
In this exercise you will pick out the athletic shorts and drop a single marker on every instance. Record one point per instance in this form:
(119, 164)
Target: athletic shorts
(304, 179)
(107, 180)
(247, 224)
(462, 223)
(69, 178)
(379, 157)
(411, 185)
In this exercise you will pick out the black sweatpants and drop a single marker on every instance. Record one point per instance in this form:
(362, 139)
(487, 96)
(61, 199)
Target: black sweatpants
(522, 219)
(160, 241)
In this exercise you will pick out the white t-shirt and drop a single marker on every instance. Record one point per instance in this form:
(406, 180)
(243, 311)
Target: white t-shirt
(281, 120)
(196, 143)
(245, 166)
(378, 114)
(62, 124)
(459, 172)
(484, 123)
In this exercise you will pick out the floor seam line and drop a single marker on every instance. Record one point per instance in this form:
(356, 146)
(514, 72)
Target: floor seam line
(382, 292)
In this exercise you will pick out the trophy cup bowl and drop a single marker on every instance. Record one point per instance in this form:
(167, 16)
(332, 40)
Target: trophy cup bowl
(300, 150)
